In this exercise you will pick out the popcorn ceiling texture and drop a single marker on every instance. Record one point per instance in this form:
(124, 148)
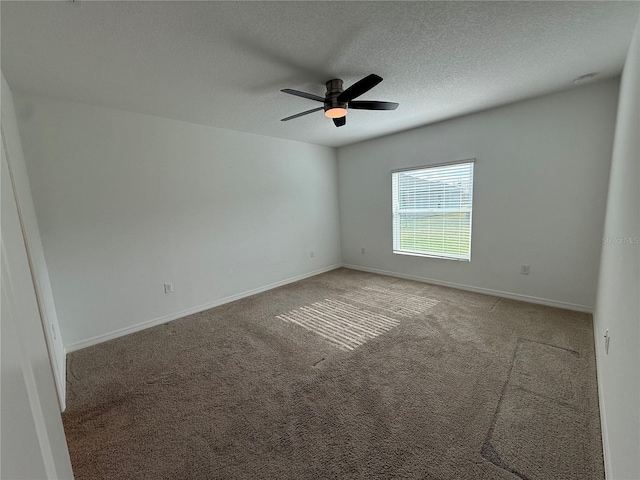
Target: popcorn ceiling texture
(468, 387)
(223, 63)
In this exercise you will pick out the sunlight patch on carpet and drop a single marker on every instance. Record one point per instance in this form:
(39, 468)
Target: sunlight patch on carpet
(342, 324)
(403, 304)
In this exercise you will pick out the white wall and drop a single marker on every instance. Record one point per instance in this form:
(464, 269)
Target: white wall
(33, 242)
(540, 185)
(618, 301)
(126, 202)
(33, 443)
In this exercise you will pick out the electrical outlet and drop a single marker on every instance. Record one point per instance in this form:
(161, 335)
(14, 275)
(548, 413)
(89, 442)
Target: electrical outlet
(362, 250)
(606, 341)
(524, 269)
(168, 287)
(312, 254)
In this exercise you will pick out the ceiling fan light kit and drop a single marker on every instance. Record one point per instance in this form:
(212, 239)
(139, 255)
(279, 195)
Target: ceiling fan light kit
(335, 112)
(332, 107)
(337, 101)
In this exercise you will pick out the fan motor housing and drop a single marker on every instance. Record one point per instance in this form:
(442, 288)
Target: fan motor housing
(334, 89)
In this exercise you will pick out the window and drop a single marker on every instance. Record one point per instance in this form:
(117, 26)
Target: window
(432, 209)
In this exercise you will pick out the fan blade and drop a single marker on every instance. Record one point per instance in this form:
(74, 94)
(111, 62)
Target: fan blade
(360, 87)
(339, 122)
(297, 93)
(373, 105)
(302, 113)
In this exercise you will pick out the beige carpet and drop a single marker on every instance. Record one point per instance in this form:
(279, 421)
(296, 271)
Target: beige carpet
(346, 375)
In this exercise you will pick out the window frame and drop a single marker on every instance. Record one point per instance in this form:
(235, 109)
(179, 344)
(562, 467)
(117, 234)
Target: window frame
(471, 161)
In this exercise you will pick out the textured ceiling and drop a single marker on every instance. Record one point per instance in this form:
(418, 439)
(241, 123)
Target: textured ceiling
(223, 63)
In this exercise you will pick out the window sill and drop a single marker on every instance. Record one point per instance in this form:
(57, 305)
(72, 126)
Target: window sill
(431, 255)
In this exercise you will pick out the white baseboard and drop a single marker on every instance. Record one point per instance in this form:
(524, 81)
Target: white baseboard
(486, 291)
(167, 318)
(174, 316)
(603, 417)
(63, 387)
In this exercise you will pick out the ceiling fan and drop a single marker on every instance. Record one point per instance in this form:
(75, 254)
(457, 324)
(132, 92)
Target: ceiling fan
(336, 101)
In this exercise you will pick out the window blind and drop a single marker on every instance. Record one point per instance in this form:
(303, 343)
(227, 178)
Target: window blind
(432, 210)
